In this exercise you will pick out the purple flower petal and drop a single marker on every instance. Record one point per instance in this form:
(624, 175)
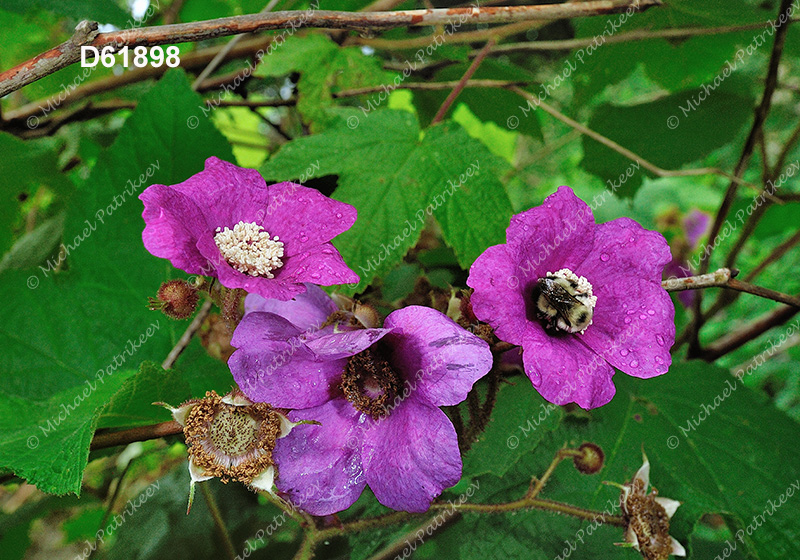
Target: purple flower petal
(565, 370)
(498, 298)
(411, 455)
(226, 193)
(552, 236)
(308, 310)
(319, 467)
(321, 264)
(624, 248)
(439, 358)
(337, 345)
(696, 224)
(173, 223)
(272, 365)
(304, 217)
(633, 327)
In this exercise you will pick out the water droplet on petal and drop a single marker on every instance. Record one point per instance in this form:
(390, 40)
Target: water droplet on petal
(604, 257)
(315, 275)
(627, 320)
(303, 237)
(623, 353)
(338, 214)
(634, 364)
(659, 360)
(535, 377)
(651, 312)
(642, 316)
(660, 340)
(632, 239)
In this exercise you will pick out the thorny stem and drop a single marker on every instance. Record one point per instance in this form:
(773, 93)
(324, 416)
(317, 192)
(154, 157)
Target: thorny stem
(529, 501)
(216, 515)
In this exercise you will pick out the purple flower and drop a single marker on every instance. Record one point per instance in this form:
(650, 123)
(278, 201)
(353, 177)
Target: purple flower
(228, 223)
(579, 298)
(695, 225)
(374, 391)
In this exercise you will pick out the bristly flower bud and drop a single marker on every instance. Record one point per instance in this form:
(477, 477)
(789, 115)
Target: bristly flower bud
(176, 299)
(591, 460)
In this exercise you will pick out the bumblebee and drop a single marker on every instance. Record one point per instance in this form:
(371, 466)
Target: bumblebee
(563, 302)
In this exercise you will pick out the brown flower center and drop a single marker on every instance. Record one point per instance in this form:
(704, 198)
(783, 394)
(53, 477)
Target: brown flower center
(370, 383)
(649, 521)
(229, 441)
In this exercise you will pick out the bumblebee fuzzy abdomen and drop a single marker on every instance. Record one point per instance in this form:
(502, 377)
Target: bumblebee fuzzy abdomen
(561, 306)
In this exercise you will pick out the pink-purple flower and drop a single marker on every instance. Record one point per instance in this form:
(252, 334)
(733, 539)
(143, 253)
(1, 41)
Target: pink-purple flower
(580, 298)
(228, 223)
(374, 391)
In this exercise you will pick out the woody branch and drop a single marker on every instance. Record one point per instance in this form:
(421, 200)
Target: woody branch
(69, 53)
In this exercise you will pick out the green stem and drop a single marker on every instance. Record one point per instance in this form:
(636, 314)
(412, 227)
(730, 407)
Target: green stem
(230, 551)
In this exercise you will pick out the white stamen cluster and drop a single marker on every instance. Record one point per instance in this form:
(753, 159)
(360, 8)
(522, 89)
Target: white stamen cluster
(249, 249)
(584, 286)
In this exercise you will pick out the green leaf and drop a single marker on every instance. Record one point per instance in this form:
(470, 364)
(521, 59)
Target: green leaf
(33, 248)
(47, 441)
(132, 405)
(325, 68)
(104, 11)
(445, 173)
(25, 166)
(688, 127)
(62, 327)
(520, 421)
(676, 65)
(160, 528)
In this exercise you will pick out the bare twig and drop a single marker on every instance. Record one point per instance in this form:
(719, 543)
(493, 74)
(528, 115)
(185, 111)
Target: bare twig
(716, 279)
(456, 38)
(761, 115)
(638, 35)
(739, 338)
(724, 278)
(68, 53)
(730, 195)
(187, 335)
(430, 86)
(190, 61)
(219, 522)
(463, 82)
(142, 433)
(217, 60)
(656, 170)
(776, 254)
(780, 164)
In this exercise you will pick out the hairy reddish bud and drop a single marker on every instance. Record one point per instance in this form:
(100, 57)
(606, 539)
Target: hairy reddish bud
(591, 460)
(176, 299)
